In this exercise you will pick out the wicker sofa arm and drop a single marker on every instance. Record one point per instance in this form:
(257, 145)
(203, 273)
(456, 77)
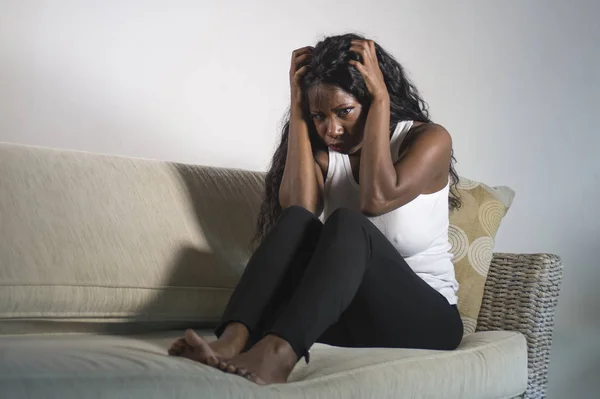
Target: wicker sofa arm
(521, 294)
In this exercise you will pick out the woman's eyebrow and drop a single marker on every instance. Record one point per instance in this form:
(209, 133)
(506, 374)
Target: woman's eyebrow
(342, 106)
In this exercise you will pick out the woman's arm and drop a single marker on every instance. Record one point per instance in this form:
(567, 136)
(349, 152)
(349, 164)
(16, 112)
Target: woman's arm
(302, 182)
(385, 186)
(422, 168)
(376, 173)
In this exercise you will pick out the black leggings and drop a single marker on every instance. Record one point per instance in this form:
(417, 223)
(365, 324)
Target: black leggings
(340, 283)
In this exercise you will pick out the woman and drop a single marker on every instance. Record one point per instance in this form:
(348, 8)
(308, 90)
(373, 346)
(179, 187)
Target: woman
(358, 146)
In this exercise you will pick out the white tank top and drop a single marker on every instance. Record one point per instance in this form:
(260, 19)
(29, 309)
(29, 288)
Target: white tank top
(418, 230)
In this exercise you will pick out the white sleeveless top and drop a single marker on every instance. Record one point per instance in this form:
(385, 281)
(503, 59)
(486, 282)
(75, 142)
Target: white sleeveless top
(418, 230)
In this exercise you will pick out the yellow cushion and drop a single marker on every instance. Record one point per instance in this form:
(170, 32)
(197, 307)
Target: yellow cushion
(472, 231)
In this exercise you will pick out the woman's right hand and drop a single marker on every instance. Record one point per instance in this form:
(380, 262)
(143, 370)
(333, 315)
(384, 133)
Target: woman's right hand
(299, 56)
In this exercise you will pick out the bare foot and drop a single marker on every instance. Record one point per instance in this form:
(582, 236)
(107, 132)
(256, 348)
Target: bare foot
(194, 347)
(270, 361)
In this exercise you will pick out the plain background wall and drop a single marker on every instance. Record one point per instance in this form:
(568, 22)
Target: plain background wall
(515, 82)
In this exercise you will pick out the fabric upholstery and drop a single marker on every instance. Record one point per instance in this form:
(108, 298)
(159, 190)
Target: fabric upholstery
(92, 239)
(472, 231)
(108, 244)
(486, 365)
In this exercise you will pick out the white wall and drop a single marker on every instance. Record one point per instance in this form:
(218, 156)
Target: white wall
(515, 82)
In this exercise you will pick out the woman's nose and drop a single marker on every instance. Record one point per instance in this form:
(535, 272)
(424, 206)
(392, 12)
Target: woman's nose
(334, 129)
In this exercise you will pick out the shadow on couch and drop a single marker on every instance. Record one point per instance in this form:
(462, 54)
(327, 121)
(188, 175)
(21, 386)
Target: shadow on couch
(225, 204)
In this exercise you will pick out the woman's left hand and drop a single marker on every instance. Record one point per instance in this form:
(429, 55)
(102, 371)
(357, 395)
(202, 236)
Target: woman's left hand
(369, 68)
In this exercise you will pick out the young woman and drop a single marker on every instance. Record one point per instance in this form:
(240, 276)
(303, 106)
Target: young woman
(359, 148)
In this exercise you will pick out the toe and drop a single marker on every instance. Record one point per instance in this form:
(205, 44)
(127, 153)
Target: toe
(241, 371)
(192, 338)
(222, 365)
(231, 368)
(212, 361)
(177, 346)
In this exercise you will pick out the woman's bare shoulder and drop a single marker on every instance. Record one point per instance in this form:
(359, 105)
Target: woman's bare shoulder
(432, 132)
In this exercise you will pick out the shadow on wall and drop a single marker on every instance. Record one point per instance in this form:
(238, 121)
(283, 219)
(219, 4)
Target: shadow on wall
(225, 204)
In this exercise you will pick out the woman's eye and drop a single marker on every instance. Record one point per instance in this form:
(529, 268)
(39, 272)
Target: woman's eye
(345, 111)
(316, 116)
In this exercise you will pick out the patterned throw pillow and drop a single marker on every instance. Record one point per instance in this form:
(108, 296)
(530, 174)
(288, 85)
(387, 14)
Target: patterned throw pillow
(472, 231)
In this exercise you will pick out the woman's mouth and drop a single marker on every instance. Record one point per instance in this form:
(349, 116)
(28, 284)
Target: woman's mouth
(336, 147)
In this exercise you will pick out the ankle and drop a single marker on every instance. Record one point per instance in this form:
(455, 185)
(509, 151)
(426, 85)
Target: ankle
(236, 335)
(280, 347)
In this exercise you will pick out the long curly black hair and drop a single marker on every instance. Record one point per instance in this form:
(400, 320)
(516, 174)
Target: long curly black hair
(329, 65)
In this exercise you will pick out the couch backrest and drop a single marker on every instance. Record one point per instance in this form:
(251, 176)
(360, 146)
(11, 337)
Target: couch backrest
(102, 243)
(91, 241)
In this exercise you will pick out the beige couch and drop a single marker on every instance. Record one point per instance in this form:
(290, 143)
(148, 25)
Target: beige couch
(105, 260)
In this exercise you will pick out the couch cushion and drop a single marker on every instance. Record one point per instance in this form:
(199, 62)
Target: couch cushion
(486, 365)
(102, 243)
(91, 240)
(472, 231)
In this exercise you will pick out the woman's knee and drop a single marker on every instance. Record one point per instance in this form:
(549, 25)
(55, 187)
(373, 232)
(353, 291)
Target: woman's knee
(297, 211)
(346, 216)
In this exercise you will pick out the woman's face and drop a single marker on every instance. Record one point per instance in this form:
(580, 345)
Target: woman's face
(338, 117)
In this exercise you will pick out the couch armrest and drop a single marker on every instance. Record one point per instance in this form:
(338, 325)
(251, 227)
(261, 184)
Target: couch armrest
(521, 293)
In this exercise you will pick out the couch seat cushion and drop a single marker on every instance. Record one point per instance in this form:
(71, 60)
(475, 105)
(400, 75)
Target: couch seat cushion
(486, 365)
